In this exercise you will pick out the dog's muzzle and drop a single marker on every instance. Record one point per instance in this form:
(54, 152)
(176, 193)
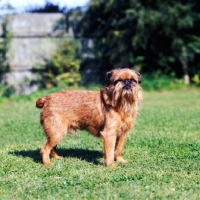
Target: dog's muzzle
(127, 84)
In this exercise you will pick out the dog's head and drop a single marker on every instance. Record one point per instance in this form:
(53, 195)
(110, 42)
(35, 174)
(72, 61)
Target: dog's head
(122, 87)
(125, 77)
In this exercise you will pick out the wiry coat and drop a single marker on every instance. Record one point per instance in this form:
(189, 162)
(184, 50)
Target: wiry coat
(108, 113)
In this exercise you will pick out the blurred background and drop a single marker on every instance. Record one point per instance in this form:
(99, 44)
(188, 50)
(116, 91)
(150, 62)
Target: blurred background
(72, 44)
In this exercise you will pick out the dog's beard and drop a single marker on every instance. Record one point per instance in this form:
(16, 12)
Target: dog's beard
(124, 98)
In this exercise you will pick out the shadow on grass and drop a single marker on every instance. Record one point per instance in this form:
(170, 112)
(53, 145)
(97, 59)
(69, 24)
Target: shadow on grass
(90, 156)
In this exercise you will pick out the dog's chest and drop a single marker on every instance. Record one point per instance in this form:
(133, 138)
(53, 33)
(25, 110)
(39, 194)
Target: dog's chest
(120, 121)
(127, 121)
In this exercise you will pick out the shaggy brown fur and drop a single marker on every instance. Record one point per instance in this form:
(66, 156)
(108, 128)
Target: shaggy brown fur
(108, 114)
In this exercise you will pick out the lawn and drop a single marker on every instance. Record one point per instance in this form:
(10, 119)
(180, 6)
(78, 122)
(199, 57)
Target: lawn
(163, 150)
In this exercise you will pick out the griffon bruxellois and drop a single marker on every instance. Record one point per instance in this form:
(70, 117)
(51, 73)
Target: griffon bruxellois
(108, 113)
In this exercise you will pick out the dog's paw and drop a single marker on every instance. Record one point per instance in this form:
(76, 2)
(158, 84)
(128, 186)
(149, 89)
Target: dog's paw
(58, 157)
(121, 160)
(113, 166)
(49, 164)
(110, 165)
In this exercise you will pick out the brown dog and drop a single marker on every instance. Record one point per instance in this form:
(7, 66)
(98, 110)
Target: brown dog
(108, 113)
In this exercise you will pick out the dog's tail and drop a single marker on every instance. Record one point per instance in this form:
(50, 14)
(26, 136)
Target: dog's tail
(40, 102)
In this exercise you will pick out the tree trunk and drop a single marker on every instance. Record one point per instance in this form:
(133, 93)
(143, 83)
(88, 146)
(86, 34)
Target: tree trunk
(183, 60)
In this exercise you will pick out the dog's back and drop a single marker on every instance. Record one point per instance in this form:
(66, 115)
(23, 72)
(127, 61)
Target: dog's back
(75, 108)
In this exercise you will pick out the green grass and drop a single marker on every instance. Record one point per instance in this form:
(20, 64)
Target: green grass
(163, 150)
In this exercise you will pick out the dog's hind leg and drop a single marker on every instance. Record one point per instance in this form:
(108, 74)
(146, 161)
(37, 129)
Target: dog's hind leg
(45, 152)
(54, 154)
(49, 149)
(55, 130)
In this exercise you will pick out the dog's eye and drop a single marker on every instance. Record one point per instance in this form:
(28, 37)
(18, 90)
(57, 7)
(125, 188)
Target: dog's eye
(133, 80)
(117, 81)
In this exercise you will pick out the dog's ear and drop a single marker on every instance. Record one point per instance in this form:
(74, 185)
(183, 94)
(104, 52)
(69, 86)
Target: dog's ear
(139, 77)
(107, 78)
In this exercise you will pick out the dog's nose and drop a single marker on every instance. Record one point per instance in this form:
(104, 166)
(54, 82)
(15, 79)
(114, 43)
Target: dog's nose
(127, 84)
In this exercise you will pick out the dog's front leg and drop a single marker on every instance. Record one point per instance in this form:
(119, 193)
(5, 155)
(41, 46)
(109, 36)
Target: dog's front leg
(119, 147)
(109, 140)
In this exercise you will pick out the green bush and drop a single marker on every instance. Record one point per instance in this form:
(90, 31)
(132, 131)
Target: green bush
(196, 79)
(5, 40)
(161, 82)
(62, 69)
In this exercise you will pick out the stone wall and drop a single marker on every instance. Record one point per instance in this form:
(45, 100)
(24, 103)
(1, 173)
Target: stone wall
(34, 37)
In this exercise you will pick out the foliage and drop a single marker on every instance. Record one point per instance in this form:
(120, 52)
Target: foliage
(161, 82)
(62, 69)
(47, 8)
(163, 151)
(4, 47)
(5, 39)
(152, 36)
(196, 79)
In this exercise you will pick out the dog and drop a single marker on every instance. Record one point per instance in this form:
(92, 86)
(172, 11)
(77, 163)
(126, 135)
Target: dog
(108, 113)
